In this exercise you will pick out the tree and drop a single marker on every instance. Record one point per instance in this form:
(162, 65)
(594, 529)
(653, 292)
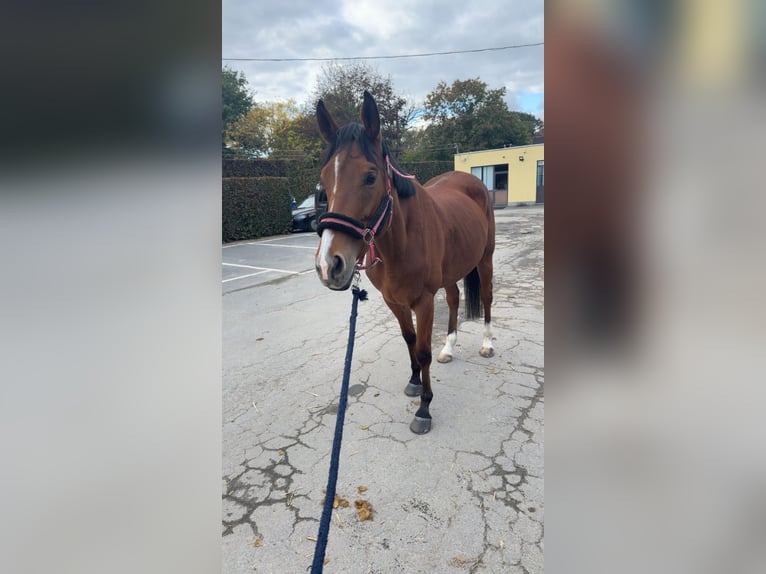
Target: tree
(276, 130)
(415, 146)
(524, 126)
(236, 100)
(468, 116)
(341, 87)
(264, 128)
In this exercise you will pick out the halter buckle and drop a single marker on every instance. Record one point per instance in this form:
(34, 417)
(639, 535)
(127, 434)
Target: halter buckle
(369, 236)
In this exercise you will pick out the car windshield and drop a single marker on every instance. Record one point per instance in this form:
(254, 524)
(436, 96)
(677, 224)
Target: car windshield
(308, 202)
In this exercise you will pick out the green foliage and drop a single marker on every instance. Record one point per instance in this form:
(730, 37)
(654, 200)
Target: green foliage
(301, 176)
(255, 168)
(341, 86)
(529, 121)
(270, 129)
(255, 207)
(425, 170)
(414, 146)
(468, 116)
(236, 100)
(275, 130)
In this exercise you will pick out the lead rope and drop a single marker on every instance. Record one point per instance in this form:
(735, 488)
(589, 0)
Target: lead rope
(332, 479)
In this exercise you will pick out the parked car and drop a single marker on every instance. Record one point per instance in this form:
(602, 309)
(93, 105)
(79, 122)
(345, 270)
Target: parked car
(305, 215)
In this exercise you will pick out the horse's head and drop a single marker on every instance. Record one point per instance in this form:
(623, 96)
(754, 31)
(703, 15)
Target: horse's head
(358, 186)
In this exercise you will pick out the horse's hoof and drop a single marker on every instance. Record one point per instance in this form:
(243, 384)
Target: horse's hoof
(444, 358)
(420, 425)
(487, 352)
(413, 390)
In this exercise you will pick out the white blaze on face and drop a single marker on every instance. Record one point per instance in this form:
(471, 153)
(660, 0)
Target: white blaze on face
(335, 182)
(487, 344)
(327, 235)
(324, 251)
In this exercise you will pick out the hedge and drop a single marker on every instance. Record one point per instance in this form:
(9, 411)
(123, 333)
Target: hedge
(255, 207)
(303, 180)
(303, 175)
(425, 170)
(257, 192)
(256, 167)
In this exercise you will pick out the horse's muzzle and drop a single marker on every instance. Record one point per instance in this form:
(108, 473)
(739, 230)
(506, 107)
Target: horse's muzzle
(338, 273)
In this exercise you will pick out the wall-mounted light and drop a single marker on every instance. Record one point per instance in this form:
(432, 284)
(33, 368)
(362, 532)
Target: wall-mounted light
(521, 158)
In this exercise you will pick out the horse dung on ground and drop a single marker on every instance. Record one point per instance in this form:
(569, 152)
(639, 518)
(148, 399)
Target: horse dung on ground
(411, 239)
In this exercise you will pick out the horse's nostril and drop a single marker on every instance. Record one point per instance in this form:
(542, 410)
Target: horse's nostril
(338, 266)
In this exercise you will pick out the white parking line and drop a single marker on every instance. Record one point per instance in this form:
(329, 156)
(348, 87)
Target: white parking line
(261, 268)
(283, 245)
(243, 276)
(260, 271)
(239, 265)
(267, 243)
(269, 240)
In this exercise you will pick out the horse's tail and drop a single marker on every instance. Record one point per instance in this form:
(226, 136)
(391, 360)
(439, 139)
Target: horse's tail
(472, 289)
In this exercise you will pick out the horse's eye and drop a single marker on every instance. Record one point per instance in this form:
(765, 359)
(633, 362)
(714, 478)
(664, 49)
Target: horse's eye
(370, 179)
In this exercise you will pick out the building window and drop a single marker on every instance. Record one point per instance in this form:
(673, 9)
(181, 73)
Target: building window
(493, 176)
(541, 173)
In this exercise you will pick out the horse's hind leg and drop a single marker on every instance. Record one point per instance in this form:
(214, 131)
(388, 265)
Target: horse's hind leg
(453, 300)
(485, 278)
(404, 316)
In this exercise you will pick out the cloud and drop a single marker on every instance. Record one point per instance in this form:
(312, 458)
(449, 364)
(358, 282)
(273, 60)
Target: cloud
(378, 19)
(354, 28)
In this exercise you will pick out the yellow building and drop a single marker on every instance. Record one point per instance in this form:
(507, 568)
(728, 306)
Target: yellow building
(514, 175)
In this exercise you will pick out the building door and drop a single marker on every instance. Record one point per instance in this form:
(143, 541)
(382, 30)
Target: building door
(495, 177)
(540, 195)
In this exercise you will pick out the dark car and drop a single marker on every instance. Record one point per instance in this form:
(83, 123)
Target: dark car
(305, 215)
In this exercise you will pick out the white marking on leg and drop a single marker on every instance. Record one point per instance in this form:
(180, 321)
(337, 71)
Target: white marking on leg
(446, 353)
(324, 249)
(486, 346)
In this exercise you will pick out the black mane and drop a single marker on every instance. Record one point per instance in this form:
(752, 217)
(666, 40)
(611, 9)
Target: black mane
(354, 133)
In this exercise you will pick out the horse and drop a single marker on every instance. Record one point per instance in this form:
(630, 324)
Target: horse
(411, 240)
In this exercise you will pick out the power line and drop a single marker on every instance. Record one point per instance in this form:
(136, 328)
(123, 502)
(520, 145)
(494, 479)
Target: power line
(382, 57)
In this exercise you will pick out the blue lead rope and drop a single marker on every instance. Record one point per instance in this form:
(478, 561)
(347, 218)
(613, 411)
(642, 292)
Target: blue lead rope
(332, 479)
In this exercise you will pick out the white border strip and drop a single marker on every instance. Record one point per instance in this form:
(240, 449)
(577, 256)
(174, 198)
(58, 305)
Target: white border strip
(281, 245)
(268, 242)
(262, 268)
(261, 271)
(243, 276)
(243, 266)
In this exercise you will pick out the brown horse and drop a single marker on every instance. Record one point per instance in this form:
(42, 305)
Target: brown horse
(420, 238)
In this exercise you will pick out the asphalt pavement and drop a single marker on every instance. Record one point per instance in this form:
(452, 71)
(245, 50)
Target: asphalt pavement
(468, 496)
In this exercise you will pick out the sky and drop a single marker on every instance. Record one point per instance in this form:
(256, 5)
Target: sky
(366, 28)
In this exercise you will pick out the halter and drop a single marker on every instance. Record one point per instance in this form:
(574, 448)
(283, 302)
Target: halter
(366, 232)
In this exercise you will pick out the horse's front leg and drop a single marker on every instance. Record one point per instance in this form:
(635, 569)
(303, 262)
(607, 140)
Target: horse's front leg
(404, 316)
(424, 312)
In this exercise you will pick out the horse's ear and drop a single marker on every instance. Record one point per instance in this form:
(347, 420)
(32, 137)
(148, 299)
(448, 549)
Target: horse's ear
(370, 117)
(327, 126)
